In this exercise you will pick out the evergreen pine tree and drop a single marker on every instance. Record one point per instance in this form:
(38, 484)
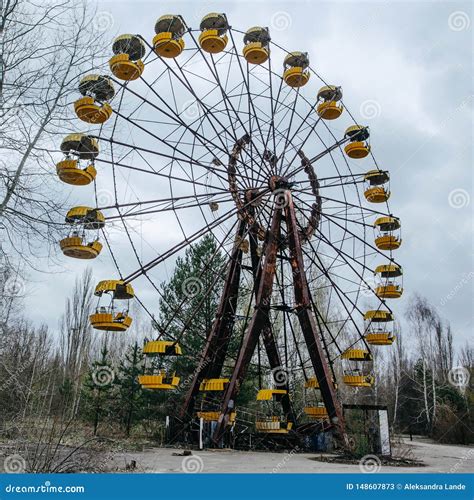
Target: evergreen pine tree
(98, 390)
(187, 292)
(130, 396)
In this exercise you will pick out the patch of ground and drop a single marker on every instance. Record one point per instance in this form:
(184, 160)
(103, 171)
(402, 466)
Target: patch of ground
(424, 456)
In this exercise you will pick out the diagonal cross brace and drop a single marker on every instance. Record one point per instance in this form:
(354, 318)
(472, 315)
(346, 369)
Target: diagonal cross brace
(257, 323)
(280, 377)
(217, 342)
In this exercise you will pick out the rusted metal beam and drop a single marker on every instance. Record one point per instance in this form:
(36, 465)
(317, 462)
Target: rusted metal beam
(257, 323)
(217, 342)
(308, 324)
(280, 376)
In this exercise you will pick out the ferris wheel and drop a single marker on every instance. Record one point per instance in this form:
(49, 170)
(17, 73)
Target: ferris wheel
(216, 131)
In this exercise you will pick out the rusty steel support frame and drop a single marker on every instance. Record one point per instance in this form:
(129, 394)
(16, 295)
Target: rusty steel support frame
(260, 320)
(267, 335)
(217, 342)
(308, 323)
(216, 346)
(257, 323)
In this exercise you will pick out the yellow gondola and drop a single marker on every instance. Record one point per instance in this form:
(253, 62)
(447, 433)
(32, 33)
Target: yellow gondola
(213, 416)
(269, 394)
(127, 62)
(316, 412)
(357, 355)
(378, 316)
(91, 218)
(211, 390)
(355, 371)
(159, 377)
(379, 330)
(379, 338)
(388, 287)
(358, 146)
(388, 233)
(355, 379)
(213, 384)
(256, 49)
(168, 41)
(78, 248)
(93, 106)
(213, 37)
(272, 424)
(314, 408)
(162, 347)
(375, 192)
(70, 170)
(163, 381)
(88, 111)
(77, 244)
(109, 317)
(311, 383)
(330, 107)
(296, 72)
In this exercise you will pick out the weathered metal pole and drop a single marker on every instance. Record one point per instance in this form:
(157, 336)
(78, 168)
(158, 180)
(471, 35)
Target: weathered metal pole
(280, 377)
(258, 321)
(308, 324)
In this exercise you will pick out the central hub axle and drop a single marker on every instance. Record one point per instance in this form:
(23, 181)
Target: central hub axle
(277, 182)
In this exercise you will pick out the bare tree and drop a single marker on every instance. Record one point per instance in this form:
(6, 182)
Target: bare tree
(466, 356)
(398, 364)
(434, 352)
(44, 49)
(422, 321)
(76, 337)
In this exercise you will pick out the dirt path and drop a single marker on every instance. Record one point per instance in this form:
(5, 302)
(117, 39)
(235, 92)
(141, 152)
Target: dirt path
(436, 458)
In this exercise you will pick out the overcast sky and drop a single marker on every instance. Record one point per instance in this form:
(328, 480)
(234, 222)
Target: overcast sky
(406, 70)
